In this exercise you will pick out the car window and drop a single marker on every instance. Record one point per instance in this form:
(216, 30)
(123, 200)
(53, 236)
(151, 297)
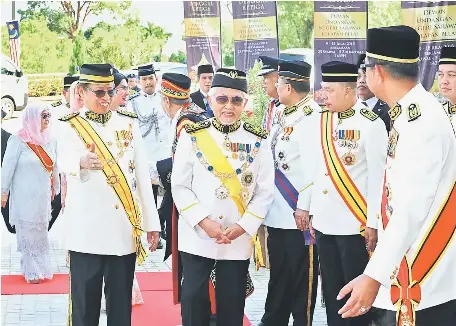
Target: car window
(7, 67)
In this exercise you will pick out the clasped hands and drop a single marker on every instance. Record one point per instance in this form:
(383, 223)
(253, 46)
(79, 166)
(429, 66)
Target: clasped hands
(223, 236)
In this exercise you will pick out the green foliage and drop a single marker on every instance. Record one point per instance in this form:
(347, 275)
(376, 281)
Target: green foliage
(66, 18)
(79, 54)
(45, 86)
(179, 57)
(42, 51)
(227, 45)
(296, 24)
(257, 95)
(384, 13)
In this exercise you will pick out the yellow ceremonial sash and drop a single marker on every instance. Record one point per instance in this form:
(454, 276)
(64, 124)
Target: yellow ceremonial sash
(115, 178)
(339, 176)
(227, 176)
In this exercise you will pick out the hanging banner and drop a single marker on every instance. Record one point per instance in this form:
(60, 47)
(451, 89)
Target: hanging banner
(340, 29)
(202, 34)
(255, 32)
(14, 41)
(436, 24)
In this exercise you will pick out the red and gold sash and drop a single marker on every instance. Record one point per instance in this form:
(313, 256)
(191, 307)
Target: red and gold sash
(406, 288)
(339, 175)
(115, 178)
(46, 161)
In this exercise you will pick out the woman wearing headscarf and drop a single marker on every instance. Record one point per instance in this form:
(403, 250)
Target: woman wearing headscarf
(28, 171)
(119, 100)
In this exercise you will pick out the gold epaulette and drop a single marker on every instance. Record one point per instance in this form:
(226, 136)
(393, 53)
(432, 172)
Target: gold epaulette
(307, 110)
(257, 131)
(193, 127)
(413, 112)
(69, 116)
(127, 113)
(56, 103)
(371, 115)
(134, 96)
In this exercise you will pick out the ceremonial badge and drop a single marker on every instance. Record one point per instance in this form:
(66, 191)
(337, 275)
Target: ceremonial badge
(245, 194)
(413, 112)
(227, 143)
(285, 166)
(131, 166)
(349, 158)
(112, 180)
(125, 137)
(247, 178)
(287, 132)
(388, 191)
(395, 112)
(392, 143)
(281, 155)
(222, 192)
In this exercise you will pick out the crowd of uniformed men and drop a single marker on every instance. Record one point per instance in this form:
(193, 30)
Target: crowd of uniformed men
(360, 191)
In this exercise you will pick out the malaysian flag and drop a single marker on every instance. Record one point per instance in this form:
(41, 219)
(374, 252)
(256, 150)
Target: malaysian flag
(15, 41)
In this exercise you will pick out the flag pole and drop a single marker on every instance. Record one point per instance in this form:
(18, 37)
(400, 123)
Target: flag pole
(13, 10)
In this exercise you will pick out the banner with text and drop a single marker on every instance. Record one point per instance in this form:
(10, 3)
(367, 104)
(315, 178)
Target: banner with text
(339, 34)
(202, 34)
(436, 24)
(254, 31)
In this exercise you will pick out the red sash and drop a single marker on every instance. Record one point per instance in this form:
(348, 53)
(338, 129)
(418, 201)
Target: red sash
(406, 288)
(46, 161)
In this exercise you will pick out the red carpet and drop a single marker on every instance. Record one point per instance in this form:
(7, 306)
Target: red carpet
(160, 312)
(156, 289)
(15, 284)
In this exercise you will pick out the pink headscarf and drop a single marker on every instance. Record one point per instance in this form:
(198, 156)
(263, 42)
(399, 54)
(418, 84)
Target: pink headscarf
(75, 100)
(31, 125)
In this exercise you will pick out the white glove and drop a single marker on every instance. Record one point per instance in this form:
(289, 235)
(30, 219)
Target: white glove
(90, 161)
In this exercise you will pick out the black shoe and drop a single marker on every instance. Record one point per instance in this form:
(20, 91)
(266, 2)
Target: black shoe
(160, 244)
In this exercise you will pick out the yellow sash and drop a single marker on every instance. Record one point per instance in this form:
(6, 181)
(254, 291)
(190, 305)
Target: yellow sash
(227, 176)
(339, 176)
(115, 178)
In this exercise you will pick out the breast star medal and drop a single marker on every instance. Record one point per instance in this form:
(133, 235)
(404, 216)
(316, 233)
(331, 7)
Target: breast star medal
(348, 158)
(222, 192)
(247, 179)
(227, 143)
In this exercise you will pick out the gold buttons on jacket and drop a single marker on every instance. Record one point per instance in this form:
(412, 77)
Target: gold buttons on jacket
(116, 206)
(325, 192)
(220, 217)
(109, 143)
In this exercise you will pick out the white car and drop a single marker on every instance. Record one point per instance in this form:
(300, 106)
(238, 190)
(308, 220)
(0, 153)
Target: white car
(14, 88)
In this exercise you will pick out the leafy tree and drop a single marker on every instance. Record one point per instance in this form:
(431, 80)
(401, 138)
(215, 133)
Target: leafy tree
(227, 45)
(179, 57)
(68, 17)
(384, 13)
(42, 51)
(79, 54)
(296, 24)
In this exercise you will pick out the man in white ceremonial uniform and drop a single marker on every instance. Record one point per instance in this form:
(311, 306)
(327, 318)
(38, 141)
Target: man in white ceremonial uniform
(62, 107)
(108, 203)
(347, 187)
(367, 98)
(154, 124)
(412, 273)
(274, 109)
(222, 185)
(447, 81)
(293, 261)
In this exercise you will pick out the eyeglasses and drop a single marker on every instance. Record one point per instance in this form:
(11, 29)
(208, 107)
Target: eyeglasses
(278, 84)
(102, 93)
(122, 88)
(45, 116)
(235, 100)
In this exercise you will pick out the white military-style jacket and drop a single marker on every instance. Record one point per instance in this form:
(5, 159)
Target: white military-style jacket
(451, 110)
(198, 193)
(58, 109)
(95, 220)
(154, 124)
(360, 142)
(420, 173)
(296, 142)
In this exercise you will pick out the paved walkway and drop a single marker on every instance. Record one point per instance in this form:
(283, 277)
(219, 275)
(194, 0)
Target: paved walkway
(50, 310)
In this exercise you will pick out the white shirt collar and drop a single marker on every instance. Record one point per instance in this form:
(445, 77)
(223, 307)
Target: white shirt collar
(370, 102)
(204, 94)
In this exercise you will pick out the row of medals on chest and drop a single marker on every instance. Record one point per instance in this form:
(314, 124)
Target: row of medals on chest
(243, 152)
(124, 140)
